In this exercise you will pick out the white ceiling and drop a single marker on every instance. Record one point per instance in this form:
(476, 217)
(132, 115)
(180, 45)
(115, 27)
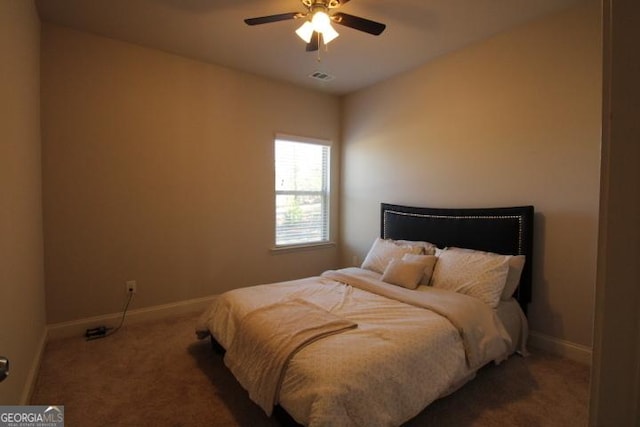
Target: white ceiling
(213, 31)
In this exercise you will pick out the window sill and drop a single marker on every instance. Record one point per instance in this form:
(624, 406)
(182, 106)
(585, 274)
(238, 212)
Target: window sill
(302, 247)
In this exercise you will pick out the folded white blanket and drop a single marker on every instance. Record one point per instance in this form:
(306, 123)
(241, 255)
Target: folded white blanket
(268, 337)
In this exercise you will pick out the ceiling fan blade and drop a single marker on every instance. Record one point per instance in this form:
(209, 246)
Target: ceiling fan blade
(358, 23)
(314, 44)
(273, 18)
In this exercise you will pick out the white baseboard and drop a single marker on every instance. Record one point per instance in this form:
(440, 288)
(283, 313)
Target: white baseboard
(32, 376)
(578, 352)
(78, 327)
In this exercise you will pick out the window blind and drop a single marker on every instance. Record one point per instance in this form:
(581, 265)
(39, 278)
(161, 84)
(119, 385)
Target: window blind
(301, 192)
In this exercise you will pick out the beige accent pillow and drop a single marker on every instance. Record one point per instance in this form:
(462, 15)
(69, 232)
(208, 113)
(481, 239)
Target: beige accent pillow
(383, 251)
(429, 262)
(404, 273)
(474, 273)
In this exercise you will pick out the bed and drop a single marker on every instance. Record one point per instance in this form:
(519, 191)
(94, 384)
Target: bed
(374, 345)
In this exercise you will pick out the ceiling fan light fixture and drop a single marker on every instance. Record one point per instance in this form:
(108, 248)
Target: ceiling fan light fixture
(321, 21)
(305, 32)
(322, 24)
(329, 34)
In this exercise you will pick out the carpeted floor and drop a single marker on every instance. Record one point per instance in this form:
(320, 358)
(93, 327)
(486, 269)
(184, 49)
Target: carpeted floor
(158, 374)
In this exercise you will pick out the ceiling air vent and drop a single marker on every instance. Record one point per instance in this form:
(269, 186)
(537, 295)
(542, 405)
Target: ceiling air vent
(319, 75)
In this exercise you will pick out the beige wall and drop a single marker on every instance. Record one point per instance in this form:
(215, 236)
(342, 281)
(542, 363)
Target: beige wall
(22, 315)
(513, 120)
(159, 169)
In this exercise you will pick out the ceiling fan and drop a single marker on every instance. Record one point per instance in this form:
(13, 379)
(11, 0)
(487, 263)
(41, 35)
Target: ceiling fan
(317, 25)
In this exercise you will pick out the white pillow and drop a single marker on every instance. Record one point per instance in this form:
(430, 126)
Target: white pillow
(478, 274)
(383, 251)
(428, 248)
(429, 262)
(403, 273)
(516, 265)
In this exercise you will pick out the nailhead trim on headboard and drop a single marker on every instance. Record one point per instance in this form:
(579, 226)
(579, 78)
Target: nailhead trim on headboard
(518, 217)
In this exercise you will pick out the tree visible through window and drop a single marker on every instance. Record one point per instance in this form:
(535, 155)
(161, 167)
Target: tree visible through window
(302, 191)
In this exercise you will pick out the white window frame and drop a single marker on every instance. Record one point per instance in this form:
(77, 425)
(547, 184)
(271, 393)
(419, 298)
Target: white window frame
(325, 194)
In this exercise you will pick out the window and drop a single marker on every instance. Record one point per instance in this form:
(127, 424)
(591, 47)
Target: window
(302, 191)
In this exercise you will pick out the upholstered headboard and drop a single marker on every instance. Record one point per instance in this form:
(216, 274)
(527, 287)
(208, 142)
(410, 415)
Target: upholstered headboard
(507, 231)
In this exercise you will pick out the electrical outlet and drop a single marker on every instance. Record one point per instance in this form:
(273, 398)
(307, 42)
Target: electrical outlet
(131, 286)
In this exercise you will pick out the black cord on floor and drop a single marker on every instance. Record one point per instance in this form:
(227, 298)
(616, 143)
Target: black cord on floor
(124, 313)
(103, 331)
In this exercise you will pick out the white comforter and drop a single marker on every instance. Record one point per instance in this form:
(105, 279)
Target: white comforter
(399, 359)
